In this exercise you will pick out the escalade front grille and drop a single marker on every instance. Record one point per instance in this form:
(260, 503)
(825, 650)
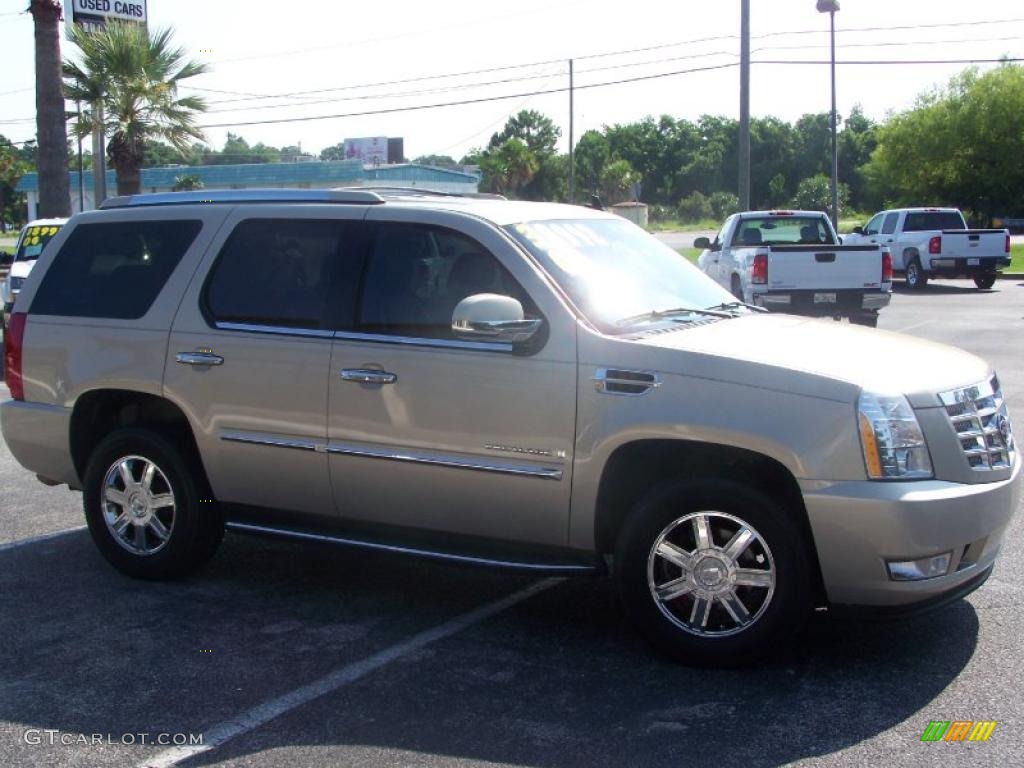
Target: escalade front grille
(979, 418)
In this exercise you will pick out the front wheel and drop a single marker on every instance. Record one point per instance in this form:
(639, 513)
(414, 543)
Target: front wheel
(984, 282)
(712, 573)
(147, 506)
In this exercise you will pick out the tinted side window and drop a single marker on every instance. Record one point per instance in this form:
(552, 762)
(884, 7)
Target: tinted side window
(890, 223)
(278, 272)
(417, 274)
(113, 270)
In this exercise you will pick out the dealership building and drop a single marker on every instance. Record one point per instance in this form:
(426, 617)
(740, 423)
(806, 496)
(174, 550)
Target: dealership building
(305, 175)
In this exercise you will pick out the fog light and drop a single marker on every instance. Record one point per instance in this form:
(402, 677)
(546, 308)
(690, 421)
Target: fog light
(925, 568)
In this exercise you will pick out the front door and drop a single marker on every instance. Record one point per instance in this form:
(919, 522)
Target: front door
(429, 432)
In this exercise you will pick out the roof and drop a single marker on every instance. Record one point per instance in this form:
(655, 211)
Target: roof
(333, 173)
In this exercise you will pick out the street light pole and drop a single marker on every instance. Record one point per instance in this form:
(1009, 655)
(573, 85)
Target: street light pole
(830, 7)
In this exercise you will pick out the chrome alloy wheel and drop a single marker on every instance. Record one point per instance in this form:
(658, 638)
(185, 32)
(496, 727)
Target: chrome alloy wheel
(711, 574)
(138, 505)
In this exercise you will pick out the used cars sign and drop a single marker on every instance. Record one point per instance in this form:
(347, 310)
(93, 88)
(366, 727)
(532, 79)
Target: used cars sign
(96, 13)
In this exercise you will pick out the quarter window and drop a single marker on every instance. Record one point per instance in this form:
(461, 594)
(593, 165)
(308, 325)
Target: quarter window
(113, 269)
(278, 272)
(416, 276)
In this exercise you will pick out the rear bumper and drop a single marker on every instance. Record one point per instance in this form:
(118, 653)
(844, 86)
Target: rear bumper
(860, 527)
(823, 303)
(39, 437)
(960, 267)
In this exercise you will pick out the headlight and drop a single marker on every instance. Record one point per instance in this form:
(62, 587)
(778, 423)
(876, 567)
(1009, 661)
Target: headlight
(16, 283)
(893, 443)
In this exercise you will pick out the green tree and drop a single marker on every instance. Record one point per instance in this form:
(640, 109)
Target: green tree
(694, 207)
(960, 145)
(538, 132)
(333, 153)
(135, 76)
(590, 156)
(441, 161)
(507, 168)
(857, 141)
(617, 181)
(51, 125)
(815, 194)
(12, 167)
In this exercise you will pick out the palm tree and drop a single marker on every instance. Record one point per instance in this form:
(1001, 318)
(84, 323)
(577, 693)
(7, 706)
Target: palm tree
(54, 195)
(130, 80)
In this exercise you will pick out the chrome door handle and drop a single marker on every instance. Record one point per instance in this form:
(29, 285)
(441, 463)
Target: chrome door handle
(368, 376)
(199, 358)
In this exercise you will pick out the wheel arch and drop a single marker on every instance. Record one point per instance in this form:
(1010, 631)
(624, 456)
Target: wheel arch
(98, 412)
(635, 467)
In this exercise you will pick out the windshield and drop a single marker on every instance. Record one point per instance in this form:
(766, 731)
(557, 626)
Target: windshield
(614, 272)
(34, 240)
(783, 230)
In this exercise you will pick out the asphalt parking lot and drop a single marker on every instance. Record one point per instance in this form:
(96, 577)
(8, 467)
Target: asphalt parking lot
(285, 655)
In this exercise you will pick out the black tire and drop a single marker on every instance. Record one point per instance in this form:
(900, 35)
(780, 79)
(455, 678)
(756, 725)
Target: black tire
(194, 525)
(870, 319)
(915, 277)
(774, 613)
(984, 282)
(737, 288)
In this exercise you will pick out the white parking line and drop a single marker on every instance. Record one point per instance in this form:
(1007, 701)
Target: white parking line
(268, 710)
(911, 327)
(37, 539)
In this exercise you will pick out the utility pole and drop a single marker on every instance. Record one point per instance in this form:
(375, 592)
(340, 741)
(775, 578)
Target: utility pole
(744, 148)
(99, 157)
(572, 165)
(830, 7)
(81, 181)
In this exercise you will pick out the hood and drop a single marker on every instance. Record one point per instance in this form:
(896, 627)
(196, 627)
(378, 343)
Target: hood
(860, 357)
(22, 268)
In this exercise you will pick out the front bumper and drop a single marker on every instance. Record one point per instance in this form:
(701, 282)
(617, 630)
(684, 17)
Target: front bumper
(858, 527)
(823, 303)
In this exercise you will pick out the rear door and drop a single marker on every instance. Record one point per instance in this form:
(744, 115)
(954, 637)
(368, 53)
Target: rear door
(250, 351)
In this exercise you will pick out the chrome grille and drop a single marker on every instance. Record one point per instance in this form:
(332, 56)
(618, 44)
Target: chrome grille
(982, 425)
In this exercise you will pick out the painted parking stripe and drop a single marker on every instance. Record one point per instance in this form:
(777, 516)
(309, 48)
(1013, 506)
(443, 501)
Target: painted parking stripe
(38, 539)
(268, 710)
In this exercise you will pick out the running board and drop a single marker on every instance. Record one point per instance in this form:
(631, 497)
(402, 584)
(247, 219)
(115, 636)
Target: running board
(288, 533)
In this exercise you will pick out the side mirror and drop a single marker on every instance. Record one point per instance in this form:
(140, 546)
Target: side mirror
(490, 317)
(702, 242)
(858, 230)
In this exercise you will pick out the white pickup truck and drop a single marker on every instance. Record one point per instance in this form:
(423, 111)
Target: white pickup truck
(935, 242)
(790, 261)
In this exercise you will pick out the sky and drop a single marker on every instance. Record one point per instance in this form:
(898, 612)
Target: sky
(266, 57)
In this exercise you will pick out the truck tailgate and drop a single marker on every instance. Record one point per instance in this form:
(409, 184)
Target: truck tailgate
(973, 242)
(824, 267)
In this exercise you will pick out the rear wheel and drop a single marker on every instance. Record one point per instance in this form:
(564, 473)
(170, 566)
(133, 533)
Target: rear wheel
(148, 508)
(712, 573)
(915, 276)
(984, 282)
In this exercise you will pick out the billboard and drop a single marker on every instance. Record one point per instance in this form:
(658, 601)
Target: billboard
(93, 14)
(370, 151)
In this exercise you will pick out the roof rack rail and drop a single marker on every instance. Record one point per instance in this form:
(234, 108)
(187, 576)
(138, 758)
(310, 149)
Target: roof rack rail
(426, 192)
(349, 195)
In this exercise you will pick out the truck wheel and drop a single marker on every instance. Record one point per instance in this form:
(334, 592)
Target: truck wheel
(915, 277)
(148, 508)
(737, 288)
(711, 572)
(870, 319)
(984, 282)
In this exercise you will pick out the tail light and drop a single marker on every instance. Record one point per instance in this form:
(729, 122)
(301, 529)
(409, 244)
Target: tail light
(886, 267)
(759, 271)
(1007, 248)
(935, 245)
(12, 355)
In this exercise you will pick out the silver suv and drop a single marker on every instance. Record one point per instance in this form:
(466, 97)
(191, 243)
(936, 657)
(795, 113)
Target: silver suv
(525, 385)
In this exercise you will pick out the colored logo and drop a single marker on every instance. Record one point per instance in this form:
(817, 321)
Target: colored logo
(958, 730)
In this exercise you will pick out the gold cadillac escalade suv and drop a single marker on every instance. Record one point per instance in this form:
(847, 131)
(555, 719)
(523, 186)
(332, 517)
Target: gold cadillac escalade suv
(525, 385)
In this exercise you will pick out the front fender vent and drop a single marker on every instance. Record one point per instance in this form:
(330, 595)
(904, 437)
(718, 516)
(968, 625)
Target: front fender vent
(615, 381)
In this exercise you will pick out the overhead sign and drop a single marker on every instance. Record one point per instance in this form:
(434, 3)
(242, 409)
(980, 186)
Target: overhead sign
(93, 14)
(371, 151)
